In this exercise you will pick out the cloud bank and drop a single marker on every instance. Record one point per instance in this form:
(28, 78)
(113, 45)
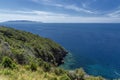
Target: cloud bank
(51, 17)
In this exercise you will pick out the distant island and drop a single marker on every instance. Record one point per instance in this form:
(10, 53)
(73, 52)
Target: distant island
(27, 56)
(21, 21)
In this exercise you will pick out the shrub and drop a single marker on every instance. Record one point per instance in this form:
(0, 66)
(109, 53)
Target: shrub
(80, 73)
(58, 71)
(65, 77)
(27, 67)
(33, 66)
(7, 72)
(72, 75)
(21, 58)
(40, 62)
(46, 67)
(45, 76)
(8, 63)
(94, 78)
(52, 78)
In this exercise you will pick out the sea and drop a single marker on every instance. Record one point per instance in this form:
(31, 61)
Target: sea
(93, 46)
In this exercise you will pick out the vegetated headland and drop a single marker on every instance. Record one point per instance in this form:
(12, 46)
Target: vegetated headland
(27, 56)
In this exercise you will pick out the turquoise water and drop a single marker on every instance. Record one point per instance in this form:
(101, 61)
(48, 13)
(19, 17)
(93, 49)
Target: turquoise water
(95, 47)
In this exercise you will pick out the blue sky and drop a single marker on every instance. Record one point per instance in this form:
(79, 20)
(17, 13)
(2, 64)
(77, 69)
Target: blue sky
(59, 11)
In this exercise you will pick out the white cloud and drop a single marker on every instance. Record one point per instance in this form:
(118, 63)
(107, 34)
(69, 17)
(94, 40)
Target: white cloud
(114, 14)
(73, 7)
(67, 6)
(33, 12)
(50, 17)
(78, 9)
(41, 13)
(34, 15)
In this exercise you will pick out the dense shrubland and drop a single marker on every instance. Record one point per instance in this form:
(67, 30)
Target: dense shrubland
(26, 56)
(24, 46)
(9, 70)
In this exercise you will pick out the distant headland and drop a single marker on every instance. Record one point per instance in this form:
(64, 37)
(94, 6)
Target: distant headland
(21, 21)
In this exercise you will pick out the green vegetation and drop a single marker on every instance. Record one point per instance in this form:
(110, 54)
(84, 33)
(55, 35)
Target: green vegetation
(26, 56)
(23, 46)
(33, 66)
(7, 63)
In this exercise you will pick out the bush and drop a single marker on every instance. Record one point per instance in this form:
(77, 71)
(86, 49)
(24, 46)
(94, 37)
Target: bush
(20, 57)
(80, 73)
(7, 72)
(52, 78)
(8, 63)
(33, 66)
(58, 71)
(94, 78)
(72, 75)
(65, 77)
(45, 76)
(77, 74)
(40, 62)
(27, 67)
(46, 67)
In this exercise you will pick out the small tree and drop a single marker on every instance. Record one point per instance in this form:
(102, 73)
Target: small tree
(7, 63)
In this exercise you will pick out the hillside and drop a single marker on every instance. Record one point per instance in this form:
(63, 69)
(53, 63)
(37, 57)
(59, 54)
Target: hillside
(26, 45)
(26, 56)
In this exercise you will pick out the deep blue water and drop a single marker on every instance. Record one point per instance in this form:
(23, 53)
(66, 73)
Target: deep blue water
(95, 47)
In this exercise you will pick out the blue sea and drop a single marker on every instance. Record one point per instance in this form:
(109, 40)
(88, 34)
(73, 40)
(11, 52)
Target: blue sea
(95, 47)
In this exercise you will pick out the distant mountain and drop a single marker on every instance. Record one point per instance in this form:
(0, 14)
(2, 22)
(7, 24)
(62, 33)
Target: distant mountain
(21, 21)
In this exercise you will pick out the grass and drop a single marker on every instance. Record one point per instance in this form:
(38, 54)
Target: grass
(23, 74)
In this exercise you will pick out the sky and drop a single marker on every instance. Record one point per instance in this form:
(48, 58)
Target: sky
(61, 11)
